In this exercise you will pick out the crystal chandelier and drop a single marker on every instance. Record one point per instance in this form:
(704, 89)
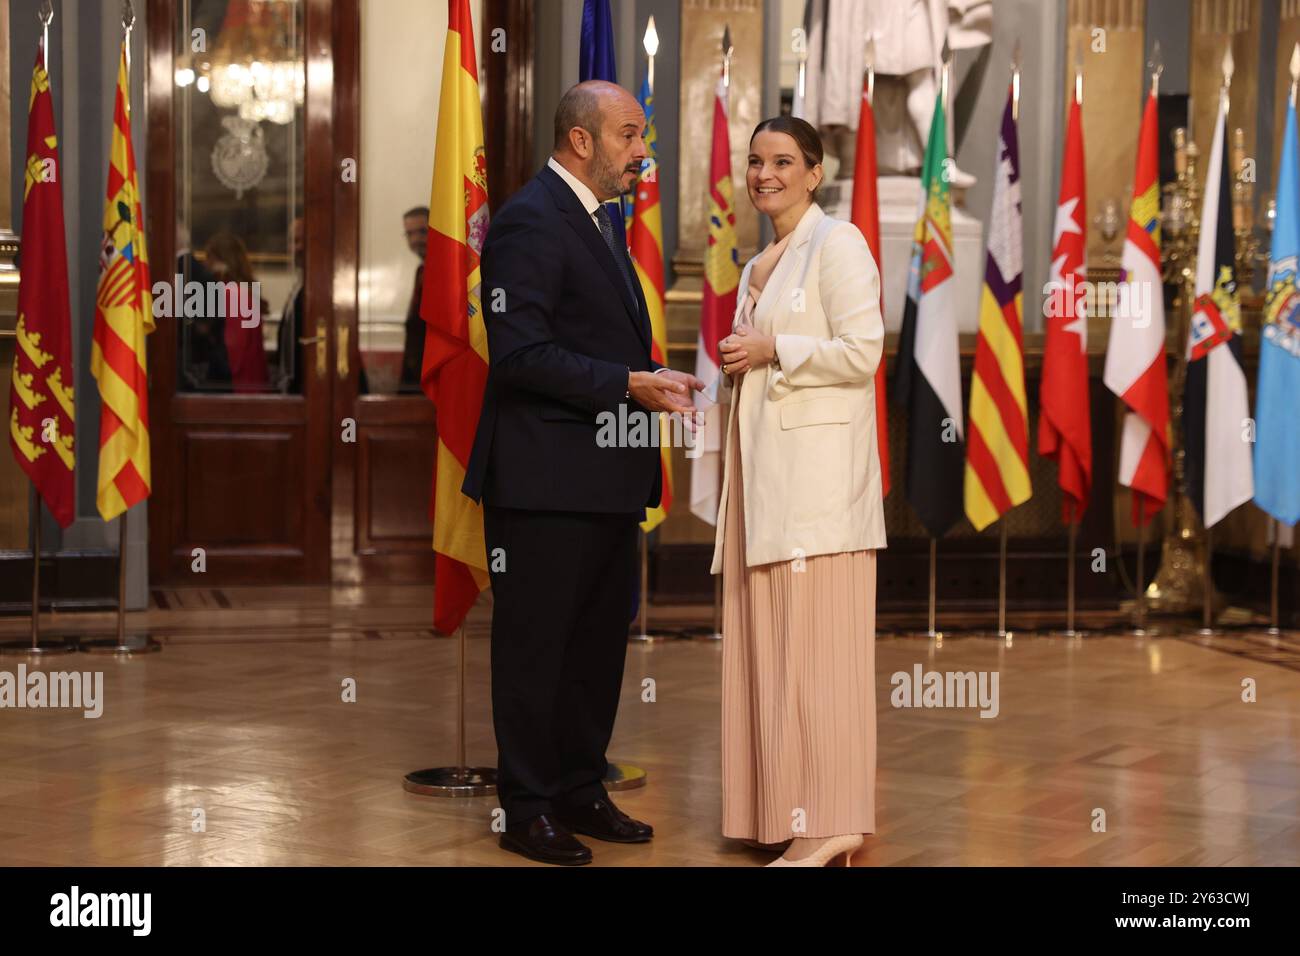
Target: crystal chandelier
(255, 69)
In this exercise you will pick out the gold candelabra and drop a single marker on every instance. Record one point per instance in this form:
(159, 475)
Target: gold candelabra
(1177, 587)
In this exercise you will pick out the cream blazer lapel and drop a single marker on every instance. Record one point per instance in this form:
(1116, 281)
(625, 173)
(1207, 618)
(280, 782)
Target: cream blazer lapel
(791, 265)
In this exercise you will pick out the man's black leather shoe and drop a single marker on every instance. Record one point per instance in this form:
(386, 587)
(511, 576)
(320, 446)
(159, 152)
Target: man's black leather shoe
(604, 821)
(545, 839)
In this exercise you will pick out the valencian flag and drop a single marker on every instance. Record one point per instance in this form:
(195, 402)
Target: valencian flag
(455, 366)
(928, 377)
(41, 429)
(1277, 403)
(997, 441)
(1135, 354)
(1064, 422)
(1215, 402)
(123, 317)
(647, 245)
(866, 216)
(718, 310)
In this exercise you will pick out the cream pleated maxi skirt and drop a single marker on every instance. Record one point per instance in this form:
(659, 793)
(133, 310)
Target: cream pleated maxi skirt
(798, 689)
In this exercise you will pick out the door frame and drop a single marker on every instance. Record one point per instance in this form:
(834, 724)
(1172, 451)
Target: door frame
(332, 58)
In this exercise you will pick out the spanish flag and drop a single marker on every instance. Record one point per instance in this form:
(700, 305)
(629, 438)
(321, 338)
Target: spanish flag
(41, 429)
(123, 317)
(455, 346)
(647, 246)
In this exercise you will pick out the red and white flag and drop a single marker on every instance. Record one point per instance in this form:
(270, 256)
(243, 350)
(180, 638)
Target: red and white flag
(866, 216)
(1064, 424)
(1135, 355)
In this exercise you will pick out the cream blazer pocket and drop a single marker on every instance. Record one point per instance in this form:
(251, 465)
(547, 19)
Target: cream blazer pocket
(815, 443)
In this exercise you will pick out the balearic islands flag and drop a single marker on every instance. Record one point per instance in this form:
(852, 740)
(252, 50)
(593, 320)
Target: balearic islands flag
(928, 376)
(1277, 404)
(41, 428)
(1216, 408)
(1135, 354)
(866, 216)
(455, 365)
(647, 246)
(997, 444)
(1064, 422)
(718, 310)
(123, 317)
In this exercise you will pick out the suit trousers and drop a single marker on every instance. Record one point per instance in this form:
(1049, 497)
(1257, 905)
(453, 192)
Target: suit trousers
(561, 605)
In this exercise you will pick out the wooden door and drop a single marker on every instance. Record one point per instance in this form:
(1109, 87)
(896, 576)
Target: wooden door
(243, 419)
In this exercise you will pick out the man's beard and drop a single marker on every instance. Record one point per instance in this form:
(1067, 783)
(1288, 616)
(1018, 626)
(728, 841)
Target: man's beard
(608, 176)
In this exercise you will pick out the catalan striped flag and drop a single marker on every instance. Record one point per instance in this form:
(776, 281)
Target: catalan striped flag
(717, 311)
(455, 366)
(1135, 355)
(123, 317)
(647, 245)
(997, 441)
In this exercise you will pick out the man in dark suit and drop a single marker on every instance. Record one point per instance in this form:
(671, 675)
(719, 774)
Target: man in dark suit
(568, 339)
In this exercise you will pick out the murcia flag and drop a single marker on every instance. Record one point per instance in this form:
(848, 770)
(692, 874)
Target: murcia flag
(997, 443)
(41, 429)
(1135, 354)
(1064, 422)
(454, 372)
(928, 376)
(718, 310)
(1216, 409)
(1277, 404)
(123, 317)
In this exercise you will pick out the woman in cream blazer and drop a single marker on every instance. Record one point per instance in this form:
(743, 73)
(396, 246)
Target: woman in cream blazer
(800, 519)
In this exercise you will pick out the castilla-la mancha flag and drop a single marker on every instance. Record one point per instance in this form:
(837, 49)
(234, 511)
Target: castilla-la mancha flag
(455, 367)
(1135, 355)
(41, 427)
(717, 312)
(123, 317)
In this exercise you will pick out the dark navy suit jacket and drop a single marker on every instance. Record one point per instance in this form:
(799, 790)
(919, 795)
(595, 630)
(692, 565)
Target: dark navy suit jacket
(563, 333)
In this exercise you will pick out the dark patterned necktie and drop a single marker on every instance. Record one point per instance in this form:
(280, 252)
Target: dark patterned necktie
(607, 230)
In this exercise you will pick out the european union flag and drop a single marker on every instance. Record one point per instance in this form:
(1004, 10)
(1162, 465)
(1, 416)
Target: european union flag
(1277, 452)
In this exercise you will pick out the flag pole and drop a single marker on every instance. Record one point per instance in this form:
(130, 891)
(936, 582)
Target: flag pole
(1069, 575)
(1275, 628)
(35, 647)
(1141, 629)
(1002, 579)
(716, 633)
(121, 643)
(1207, 628)
(459, 780)
(934, 543)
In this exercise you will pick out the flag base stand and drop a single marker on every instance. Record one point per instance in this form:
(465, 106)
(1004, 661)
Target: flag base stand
(460, 780)
(125, 646)
(48, 648)
(624, 776)
(452, 782)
